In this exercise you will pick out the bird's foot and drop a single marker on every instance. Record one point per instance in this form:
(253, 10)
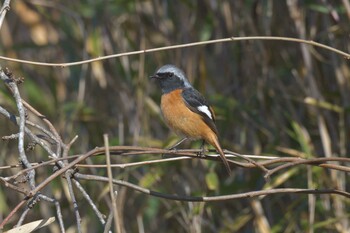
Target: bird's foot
(172, 149)
(201, 153)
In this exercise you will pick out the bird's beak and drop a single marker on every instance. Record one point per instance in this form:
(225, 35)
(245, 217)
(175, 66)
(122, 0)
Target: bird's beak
(154, 77)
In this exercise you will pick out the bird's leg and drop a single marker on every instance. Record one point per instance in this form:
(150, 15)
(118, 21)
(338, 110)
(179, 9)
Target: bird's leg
(202, 152)
(176, 145)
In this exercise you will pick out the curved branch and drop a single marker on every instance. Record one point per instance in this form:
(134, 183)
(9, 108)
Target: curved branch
(229, 39)
(212, 198)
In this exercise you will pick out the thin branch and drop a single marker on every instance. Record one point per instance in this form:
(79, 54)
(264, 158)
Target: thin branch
(313, 161)
(4, 9)
(213, 198)
(14, 187)
(18, 206)
(124, 165)
(177, 155)
(110, 184)
(23, 215)
(90, 201)
(68, 175)
(250, 161)
(46, 132)
(42, 117)
(229, 39)
(108, 224)
(10, 82)
(29, 133)
(58, 210)
(49, 124)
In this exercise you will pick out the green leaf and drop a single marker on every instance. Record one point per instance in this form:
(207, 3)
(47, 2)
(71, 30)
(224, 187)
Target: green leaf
(212, 181)
(302, 136)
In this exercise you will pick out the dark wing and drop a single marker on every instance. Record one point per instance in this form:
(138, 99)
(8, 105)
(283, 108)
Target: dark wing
(197, 103)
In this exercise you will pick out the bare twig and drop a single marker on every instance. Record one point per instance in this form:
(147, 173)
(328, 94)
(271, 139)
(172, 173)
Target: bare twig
(4, 9)
(110, 184)
(229, 39)
(250, 161)
(108, 224)
(69, 174)
(90, 201)
(58, 210)
(22, 118)
(213, 198)
(23, 215)
(13, 211)
(57, 137)
(13, 187)
(314, 161)
(191, 154)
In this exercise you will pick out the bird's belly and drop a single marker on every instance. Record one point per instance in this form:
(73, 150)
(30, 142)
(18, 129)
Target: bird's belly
(181, 119)
(184, 126)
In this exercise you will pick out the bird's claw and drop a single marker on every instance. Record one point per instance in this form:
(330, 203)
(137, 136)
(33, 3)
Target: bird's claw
(172, 149)
(201, 154)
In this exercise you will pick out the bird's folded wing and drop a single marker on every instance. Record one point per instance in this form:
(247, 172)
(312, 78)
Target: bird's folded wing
(197, 103)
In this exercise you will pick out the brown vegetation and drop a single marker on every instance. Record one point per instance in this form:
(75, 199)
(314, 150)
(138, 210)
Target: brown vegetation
(285, 100)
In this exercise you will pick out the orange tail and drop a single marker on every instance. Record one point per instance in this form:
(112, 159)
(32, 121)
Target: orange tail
(215, 142)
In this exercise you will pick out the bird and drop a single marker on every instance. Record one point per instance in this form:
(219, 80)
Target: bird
(186, 111)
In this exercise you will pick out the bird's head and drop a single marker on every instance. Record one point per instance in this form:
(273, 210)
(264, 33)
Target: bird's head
(170, 78)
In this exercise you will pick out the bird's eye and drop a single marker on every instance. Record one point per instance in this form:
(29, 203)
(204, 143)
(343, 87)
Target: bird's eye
(170, 74)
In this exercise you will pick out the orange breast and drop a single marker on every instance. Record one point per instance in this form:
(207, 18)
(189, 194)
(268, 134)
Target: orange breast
(181, 119)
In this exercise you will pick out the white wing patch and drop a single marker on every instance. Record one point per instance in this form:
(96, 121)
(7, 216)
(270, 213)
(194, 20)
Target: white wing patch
(205, 109)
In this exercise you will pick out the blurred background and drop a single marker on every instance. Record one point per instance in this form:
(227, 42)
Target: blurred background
(270, 98)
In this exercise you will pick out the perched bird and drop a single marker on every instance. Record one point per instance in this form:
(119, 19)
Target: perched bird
(185, 110)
